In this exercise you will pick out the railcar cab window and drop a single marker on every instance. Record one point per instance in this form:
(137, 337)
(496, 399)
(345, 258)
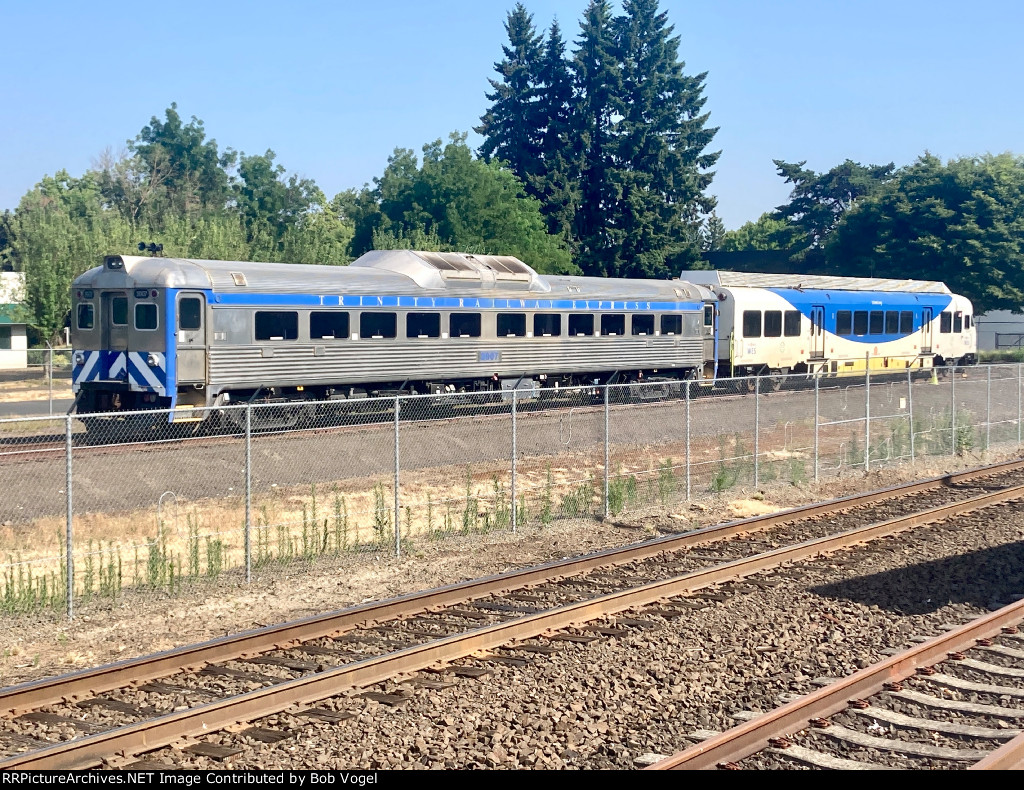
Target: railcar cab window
(860, 322)
(642, 325)
(773, 323)
(423, 325)
(581, 324)
(946, 323)
(119, 310)
(792, 324)
(145, 316)
(511, 324)
(464, 325)
(906, 322)
(673, 324)
(967, 321)
(958, 322)
(328, 325)
(86, 316)
(751, 323)
(547, 325)
(190, 315)
(277, 325)
(844, 323)
(613, 324)
(378, 325)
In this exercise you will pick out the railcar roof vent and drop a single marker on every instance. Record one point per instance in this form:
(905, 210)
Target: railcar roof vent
(441, 269)
(238, 278)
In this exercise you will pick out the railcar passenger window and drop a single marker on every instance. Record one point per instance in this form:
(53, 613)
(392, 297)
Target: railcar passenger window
(773, 323)
(423, 325)
(277, 325)
(145, 316)
(581, 324)
(511, 325)
(751, 323)
(86, 316)
(958, 322)
(876, 322)
(378, 325)
(547, 324)
(860, 322)
(464, 325)
(946, 323)
(906, 322)
(671, 325)
(190, 315)
(792, 323)
(643, 325)
(613, 324)
(892, 322)
(844, 323)
(119, 310)
(328, 325)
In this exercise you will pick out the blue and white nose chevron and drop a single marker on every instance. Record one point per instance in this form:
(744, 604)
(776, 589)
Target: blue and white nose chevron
(144, 371)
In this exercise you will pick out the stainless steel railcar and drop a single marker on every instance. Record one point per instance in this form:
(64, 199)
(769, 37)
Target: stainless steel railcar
(821, 325)
(193, 335)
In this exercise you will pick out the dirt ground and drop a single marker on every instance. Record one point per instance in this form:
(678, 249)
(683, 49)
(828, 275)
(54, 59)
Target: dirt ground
(40, 646)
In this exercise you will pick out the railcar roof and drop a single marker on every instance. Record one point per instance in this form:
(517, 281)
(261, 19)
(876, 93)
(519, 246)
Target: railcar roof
(822, 282)
(379, 272)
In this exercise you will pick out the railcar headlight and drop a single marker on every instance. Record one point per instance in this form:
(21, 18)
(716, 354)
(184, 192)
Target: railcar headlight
(152, 360)
(79, 358)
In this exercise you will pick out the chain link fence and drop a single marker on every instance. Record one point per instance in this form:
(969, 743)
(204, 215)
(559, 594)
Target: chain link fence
(94, 507)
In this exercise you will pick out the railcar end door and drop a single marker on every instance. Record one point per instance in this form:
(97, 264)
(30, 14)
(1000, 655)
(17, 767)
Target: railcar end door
(926, 330)
(191, 337)
(818, 332)
(114, 314)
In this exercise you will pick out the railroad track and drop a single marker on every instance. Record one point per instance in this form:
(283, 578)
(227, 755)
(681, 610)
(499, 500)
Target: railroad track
(110, 713)
(952, 683)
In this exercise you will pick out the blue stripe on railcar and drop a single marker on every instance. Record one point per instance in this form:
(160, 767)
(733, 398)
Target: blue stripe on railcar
(879, 301)
(443, 302)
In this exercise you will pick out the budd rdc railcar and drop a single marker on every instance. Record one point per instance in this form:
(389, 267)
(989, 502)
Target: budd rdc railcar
(195, 335)
(773, 324)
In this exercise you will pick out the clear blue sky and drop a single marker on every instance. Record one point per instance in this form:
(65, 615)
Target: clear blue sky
(334, 87)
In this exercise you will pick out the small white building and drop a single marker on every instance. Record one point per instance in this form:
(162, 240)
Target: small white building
(13, 341)
(999, 330)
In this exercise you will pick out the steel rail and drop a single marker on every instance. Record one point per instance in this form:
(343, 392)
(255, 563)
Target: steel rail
(90, 751)
(753, 736)
(34, 694)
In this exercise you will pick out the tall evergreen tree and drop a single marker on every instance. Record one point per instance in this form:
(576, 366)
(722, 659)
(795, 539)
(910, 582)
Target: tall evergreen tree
(660, 148)
(598, 91)
(511, 128)
(556, 184)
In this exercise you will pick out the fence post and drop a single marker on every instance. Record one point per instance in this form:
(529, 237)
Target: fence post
(49, 375)
(910, 406)
(988, 411)
(757, 428)
(687, 440)
(248, 493)
(607, 452)
(68, 535)
(515, 401)
(867, 413)
(817, 413)
(952, 396)
(398, 509)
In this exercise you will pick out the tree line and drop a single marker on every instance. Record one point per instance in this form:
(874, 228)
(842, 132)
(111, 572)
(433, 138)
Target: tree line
(595, 159)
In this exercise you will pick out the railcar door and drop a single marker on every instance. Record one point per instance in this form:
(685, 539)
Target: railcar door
(926, 330)
(191, 353)
(114, 311)
(817, 332)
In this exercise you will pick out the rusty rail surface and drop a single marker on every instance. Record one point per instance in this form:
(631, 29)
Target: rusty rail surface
(143, 736)
(751, 737)
(35, 694)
